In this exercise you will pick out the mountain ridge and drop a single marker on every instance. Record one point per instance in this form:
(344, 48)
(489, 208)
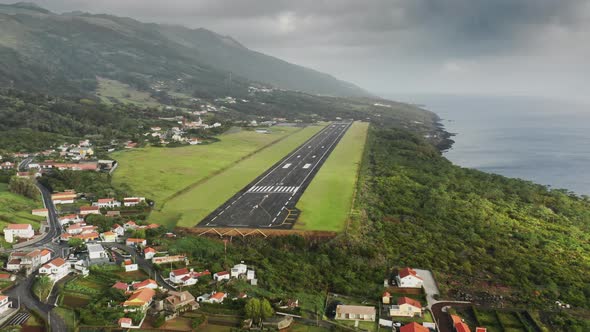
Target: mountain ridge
(63, 53)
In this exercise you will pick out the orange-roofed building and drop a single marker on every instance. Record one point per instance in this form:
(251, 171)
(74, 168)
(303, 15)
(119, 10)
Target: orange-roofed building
(406, 307)
(140, 300)
(148, 283)
(462, 327)
(456, 319)
(386, 298)
(413, 327)
(481, 329)
(23, 231)
(125, 322)
(409, 278)
(120, 286)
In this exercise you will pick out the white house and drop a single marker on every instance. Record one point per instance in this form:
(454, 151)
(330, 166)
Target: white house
(40, 212)
(250, 274)
(149, 252)
(135, 242)
(23, 231)
(130, 266)
(125, 322)
(56, 269)
(223, 275)
(148, 283)
(107, 203)
(67, 197)
(118, 229)
(408, 278)
(406, 307)
(28, 260)
(96, 251)
(186, 277)
(238, 269)
(132, 201)
(130, 225)
(214, 297)
(4, 304)
(86, 210)
(70, 219)
(355, 312)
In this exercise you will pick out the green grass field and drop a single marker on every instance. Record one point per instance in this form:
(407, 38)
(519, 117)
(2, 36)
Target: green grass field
(16, 209)
(193, 205)
(326, 203)
(158, 173)
(123, 93)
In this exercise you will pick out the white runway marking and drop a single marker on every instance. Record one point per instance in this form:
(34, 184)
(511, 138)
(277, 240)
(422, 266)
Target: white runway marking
(306, 166)
(287, 166)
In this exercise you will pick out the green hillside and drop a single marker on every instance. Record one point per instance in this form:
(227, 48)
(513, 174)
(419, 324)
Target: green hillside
(48, 52)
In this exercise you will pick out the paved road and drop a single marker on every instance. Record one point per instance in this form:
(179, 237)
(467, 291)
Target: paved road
(443, 319)
(23, 292)
(269, 201)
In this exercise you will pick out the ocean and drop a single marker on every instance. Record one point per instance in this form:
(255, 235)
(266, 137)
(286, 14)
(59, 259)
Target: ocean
(544, 141)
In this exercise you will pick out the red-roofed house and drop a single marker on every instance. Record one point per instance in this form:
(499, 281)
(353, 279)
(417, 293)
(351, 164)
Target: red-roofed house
(135, 242)
(23, 231)
(223, 275)
(118, 229)
(406, 307)
(40, 212)
(4, 304)
(86, 210)
(107, 203)
(185, 277)
(413, 327)
(481, 329)
(140, 299)
(125, 322)
(148, 283)
(386, 298)
(121, 286)
(149, 252)
(130, 266)
(408, 278)
(66, 197)
(462, 327)
(130, 225)
(132, 201)
(56, 269)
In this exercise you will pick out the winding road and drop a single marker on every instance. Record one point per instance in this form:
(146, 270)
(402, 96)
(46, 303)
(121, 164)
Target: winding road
(22, 293)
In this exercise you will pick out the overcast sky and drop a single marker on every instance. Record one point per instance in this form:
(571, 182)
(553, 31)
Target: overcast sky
(502, 47)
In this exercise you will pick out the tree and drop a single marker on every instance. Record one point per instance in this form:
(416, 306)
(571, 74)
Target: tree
(23, 186)
(253, 309)
(266, 310)
(75, 243)
(42, 287)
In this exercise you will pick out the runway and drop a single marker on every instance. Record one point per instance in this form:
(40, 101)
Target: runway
(269, 201)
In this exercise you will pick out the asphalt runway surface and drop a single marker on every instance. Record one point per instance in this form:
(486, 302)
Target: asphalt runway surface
(269, 201)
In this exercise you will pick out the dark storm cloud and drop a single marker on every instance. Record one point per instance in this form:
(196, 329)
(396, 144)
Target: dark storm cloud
(426, 44)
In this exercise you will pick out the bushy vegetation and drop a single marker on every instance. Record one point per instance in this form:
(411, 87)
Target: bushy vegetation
(94, 183)
(24, 187)
(478, 232)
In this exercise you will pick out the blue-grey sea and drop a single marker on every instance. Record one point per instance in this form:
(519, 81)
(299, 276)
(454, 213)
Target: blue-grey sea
(545, 141)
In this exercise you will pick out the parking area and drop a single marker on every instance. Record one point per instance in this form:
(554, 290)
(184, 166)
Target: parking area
(430, 287)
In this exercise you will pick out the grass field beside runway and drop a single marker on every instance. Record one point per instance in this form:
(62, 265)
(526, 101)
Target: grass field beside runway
(189, 208)
(326, 203)
(159, 173)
